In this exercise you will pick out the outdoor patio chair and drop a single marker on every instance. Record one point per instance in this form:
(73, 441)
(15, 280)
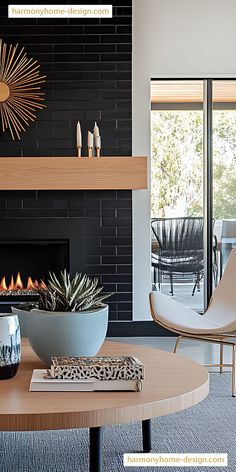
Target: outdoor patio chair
(228, 239)
(217, 325)
(179, 249)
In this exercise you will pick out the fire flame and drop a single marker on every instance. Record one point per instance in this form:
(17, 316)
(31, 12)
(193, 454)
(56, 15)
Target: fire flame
(17, 284)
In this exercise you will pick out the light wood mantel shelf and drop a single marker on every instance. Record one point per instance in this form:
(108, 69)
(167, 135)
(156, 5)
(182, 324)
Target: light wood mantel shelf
(68, 173)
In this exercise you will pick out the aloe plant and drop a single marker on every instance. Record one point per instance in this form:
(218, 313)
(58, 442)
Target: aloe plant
(66, 293)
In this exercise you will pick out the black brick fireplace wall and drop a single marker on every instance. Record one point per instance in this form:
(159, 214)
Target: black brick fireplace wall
(88, 68)
(108, 218)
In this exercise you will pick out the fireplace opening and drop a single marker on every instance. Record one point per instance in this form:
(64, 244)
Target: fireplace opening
(24, 263)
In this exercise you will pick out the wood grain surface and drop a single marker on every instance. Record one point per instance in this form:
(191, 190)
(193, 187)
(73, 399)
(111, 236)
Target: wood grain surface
(65, 173)
(172, 383)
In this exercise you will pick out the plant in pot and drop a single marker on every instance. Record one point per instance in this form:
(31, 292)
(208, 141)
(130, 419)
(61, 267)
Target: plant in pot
(70, 318)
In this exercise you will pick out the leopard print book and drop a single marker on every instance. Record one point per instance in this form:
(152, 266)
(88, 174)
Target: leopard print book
(101, 368)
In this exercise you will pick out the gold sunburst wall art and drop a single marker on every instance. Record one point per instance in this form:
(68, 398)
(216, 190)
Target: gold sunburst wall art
(20, 89)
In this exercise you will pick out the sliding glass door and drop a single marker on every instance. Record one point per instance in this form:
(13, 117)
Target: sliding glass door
(177, 190)
(193, 177)
(224, 166)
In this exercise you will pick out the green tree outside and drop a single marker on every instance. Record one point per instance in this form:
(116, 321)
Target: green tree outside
(177, 163)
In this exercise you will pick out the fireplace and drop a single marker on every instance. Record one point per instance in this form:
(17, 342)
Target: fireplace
(24, 263)
(29, 251)
(96, 227)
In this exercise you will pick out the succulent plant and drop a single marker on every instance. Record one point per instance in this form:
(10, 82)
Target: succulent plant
(66, 293)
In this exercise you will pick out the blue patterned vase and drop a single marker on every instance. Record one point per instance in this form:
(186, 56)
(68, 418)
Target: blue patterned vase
(10, 345)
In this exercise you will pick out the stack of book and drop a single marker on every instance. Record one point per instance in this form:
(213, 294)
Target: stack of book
(102, 373)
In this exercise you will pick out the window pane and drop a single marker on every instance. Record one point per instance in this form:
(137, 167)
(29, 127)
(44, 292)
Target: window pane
(224, 167)
(177, 194)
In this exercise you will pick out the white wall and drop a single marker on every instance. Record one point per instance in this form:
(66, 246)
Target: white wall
(172, 39)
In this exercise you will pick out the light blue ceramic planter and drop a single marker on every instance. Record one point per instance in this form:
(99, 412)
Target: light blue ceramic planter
(65, 334)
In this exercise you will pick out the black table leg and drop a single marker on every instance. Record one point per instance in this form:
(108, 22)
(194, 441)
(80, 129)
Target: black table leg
(95, 449)
(147, 435)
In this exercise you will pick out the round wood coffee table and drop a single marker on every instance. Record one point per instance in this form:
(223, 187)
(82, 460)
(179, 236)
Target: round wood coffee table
(172, 383)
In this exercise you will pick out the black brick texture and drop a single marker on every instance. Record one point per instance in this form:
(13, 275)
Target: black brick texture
(88, 68)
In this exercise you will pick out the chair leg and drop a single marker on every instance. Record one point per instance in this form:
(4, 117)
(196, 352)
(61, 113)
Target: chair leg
(221, 357)
(171, 284)
(234, 371)
(159, 278)
(177, 344)
(154, 275)
(215, 272)
(195, 284)
(233, 365)
(194, 288)
(198, 282)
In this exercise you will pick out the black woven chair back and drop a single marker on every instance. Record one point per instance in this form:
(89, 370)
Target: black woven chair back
(178, 235)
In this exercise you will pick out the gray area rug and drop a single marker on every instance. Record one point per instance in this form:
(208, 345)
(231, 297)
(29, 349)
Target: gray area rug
(207, 427)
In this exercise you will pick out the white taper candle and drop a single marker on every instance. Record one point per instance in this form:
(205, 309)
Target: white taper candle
(78, 135)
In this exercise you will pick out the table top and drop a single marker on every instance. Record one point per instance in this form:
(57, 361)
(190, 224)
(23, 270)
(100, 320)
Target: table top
(172, 383)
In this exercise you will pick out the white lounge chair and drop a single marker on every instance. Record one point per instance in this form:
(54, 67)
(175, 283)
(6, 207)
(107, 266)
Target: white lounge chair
(217, 325)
